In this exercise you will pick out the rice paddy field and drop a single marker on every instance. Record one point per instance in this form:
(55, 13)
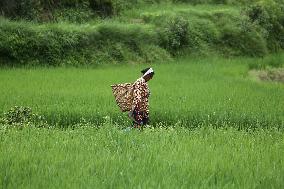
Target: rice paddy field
(192, 91)
(88, 157)
(216, 104)
(212, 126)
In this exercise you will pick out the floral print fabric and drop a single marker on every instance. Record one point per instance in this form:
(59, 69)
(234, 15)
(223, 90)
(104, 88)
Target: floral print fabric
(141, 94)
(134, 97)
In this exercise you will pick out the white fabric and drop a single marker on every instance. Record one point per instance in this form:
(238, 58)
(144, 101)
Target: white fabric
(148, 72)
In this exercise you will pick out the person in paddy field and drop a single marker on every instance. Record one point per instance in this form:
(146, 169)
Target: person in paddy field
(140, 106)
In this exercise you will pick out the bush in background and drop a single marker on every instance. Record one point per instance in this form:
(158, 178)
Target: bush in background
(71, 10)
(270, 16)
(242, 39)
(255, 31)
(22, 42)
(174, 35)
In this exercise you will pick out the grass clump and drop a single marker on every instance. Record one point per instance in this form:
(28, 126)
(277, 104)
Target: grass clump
(271, 61)
(20, 117)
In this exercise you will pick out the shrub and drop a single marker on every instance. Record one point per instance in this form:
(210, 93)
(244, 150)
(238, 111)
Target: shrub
(28, 9)
(242, 40)
(74, 15)
(203, 34)
(47, 10)
(152, 54)
(174, 34)
(270, 16)
(23, 42)
(20, 116)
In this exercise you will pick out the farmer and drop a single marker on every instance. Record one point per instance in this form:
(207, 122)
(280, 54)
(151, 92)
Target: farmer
(139, 112)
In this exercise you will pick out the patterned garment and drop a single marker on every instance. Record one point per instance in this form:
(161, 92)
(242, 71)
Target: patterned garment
(141, 118)
(141, 94)
(133, 97)
(140, 103)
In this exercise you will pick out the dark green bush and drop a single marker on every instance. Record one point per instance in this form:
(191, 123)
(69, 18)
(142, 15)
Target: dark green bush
(20, 116)
(25, 42)
(28, 9)
(43, 10)
(65, 44)
(175, 32)
(174, 35)
(203, 35)
(242, 39)
(270, 16)
(114, 7)
(51, 10)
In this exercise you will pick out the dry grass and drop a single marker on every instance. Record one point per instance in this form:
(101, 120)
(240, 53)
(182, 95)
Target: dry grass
(275, 74)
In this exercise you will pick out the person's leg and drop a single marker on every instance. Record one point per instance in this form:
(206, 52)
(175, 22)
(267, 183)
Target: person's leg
(138, 119)
(145, 119)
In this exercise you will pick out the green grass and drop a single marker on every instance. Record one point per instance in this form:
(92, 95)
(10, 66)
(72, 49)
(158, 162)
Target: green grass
(212, 124)
(88, 157)
(202, 10)
(194, 91)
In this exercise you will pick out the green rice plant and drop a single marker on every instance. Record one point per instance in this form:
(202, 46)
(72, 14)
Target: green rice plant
(172, 157)
(271, 61)
(213, 91)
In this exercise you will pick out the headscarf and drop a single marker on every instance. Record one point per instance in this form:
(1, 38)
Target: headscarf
(150, 70)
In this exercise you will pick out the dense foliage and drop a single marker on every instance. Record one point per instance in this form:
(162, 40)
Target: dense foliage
(46, 9)
(141, 34)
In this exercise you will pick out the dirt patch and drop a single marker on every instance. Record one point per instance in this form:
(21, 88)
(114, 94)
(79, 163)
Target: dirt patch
(276, 74)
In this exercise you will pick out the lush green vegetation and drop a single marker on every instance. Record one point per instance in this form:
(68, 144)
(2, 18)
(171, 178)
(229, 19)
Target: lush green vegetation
(166, 158)
(78, 10)
(78, 45)
(193, 91)
(147, 34)
(216, 110)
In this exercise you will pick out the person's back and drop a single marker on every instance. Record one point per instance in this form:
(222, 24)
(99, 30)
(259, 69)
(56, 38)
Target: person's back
(141, 94)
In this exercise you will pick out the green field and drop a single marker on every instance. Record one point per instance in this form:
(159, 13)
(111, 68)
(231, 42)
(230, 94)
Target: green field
(216, 104)
(213, 126)
(88, 157)
(193, 91)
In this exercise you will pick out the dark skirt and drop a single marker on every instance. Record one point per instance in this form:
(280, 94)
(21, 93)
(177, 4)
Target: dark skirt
(141, 118)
